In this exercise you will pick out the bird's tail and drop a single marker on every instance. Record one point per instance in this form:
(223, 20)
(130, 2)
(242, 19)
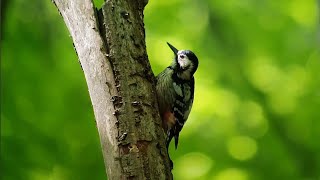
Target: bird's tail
(176, 140)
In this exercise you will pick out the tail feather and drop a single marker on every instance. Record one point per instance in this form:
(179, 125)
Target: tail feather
(169, 138)
(176, 140)
(170, 135)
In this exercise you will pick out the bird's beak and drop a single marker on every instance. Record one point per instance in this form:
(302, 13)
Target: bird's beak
(175, 51)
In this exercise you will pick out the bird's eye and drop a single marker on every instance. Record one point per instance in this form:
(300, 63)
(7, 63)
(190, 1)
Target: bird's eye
(181, 56)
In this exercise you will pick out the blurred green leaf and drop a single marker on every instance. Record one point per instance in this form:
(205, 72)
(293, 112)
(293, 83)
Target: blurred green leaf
(256, 110)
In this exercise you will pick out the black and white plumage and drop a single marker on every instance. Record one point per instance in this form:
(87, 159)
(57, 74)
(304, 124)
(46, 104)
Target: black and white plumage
(175, 92)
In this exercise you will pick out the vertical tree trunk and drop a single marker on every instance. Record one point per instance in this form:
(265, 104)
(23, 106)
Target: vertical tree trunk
(111, 48)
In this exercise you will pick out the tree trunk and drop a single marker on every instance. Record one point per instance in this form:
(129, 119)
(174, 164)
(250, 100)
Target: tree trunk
(111, 49)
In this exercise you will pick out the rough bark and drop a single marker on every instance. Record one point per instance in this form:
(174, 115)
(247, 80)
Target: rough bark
(111, 49)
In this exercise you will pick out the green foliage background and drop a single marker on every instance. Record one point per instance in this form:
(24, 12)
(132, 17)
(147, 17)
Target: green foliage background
(256, 112)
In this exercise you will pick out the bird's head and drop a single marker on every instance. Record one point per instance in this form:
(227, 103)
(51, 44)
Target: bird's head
(186, 62)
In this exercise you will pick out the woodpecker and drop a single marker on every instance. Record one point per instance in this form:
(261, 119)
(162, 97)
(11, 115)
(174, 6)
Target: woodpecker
(175, 92)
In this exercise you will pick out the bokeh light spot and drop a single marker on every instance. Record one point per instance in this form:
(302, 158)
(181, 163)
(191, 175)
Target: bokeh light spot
(192, 166)
(304, 12)
(218, 101)
(242, 147)
(252, 117)
(232, 174)
(283, 86)
(194, 12)
(263, 74)
(56, 173)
